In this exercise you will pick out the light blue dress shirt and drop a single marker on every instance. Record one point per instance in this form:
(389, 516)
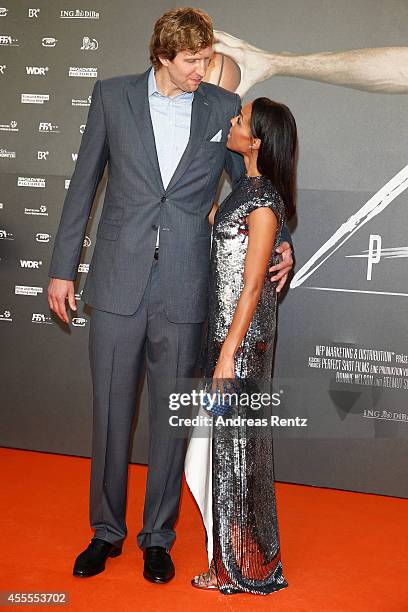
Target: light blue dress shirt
(171, 118)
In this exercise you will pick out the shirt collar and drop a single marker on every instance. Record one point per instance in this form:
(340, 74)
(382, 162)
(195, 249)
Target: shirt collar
(152, 89)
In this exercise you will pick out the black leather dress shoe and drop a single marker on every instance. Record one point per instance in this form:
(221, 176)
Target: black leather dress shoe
(92, 560)
(158, 566)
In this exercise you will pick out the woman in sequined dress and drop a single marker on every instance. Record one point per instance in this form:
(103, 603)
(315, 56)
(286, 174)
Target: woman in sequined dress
(230, 469)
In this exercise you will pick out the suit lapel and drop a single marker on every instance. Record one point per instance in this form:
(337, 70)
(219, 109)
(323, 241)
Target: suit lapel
(137, 94)
(200, 112)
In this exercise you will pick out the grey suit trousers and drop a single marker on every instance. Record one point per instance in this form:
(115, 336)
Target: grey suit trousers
(118, 346)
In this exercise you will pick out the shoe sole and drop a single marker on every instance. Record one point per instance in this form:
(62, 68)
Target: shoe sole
(88, 575)
(114, 553)
(157, 580)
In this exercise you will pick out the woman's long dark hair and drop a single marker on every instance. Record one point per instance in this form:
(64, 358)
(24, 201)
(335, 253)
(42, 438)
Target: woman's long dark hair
(275, 126)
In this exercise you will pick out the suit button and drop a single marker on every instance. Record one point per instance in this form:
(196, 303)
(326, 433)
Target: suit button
(155, 227)
(163, 199)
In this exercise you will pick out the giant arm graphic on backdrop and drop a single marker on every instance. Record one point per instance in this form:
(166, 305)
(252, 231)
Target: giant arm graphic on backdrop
(237, 65)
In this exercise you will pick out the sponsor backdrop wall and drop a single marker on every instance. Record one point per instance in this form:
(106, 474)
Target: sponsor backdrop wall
(341, 357)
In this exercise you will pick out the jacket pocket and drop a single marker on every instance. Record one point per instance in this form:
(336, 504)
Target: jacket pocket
(108, 231)
(113, 213)
(214, 143)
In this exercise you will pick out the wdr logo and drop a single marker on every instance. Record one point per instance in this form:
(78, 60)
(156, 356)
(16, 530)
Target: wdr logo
(30, 263)
(37, 70)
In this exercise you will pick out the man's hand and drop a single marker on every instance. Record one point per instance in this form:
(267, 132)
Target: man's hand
(283, 268)
(58, 291)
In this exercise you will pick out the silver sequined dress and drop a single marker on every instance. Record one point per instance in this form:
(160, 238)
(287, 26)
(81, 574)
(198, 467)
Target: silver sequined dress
(239, 505)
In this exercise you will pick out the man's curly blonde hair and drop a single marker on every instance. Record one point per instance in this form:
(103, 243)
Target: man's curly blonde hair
(180, 29)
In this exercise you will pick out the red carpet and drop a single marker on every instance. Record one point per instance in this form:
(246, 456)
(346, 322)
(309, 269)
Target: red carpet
(341, 552)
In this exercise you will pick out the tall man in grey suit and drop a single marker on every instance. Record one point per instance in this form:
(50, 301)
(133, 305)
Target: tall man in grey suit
(163, 134)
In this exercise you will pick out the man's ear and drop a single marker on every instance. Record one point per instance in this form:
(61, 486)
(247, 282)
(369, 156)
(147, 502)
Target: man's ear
(164, 61)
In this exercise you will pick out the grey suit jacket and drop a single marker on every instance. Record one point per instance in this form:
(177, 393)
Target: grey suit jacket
(119, 132)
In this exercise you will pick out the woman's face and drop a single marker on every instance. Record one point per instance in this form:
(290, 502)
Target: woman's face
(240, 136)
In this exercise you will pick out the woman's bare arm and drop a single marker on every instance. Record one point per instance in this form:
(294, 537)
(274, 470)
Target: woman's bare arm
(262, 224)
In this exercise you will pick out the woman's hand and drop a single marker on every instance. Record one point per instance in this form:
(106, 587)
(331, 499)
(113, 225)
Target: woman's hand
(224, 370)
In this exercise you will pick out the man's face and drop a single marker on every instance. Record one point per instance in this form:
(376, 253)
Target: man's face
(187, 69)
